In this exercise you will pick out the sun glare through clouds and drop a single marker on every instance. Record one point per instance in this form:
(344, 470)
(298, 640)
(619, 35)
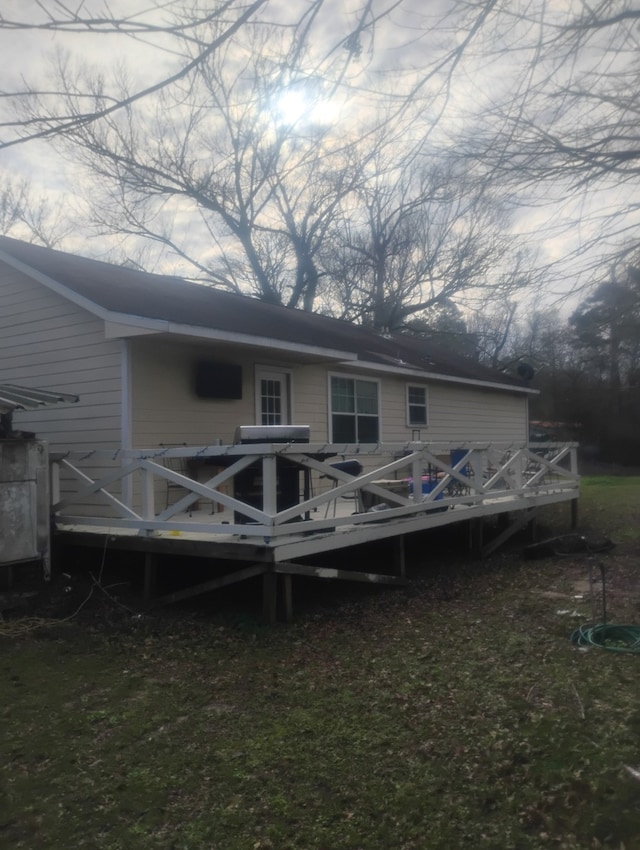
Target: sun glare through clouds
(301, 105)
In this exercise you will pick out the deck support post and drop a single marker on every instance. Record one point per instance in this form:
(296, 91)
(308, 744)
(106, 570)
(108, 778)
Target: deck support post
(399, 558)
(270, 597)
(150, 576)
(46, 563)
(574, 514)
(532, 528)
(287, 597)
(6, 583)
(477, 536)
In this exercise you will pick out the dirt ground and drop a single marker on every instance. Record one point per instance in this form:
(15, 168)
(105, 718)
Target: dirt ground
(111, 596)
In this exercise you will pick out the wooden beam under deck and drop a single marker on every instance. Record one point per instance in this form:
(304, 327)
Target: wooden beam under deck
(523, 519)
(332, 573)
(282, 557)
(220, 550)
(277, 577)
(271, 542)
(207, 586)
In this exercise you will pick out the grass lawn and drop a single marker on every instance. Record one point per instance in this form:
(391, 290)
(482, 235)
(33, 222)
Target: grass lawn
(453, 714)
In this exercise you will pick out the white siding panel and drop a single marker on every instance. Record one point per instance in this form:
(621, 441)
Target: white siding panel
(455, 412)
(49, 343)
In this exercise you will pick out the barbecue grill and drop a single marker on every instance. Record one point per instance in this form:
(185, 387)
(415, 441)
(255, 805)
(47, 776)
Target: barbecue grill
(248, 484)
(272, 434)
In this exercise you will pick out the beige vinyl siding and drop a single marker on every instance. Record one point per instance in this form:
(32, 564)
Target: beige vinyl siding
(310, 400)
(165, 408)
(46, 342)
(455, 413)
(475, 414)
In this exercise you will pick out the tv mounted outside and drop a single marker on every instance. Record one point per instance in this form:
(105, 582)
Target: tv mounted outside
(218, 380)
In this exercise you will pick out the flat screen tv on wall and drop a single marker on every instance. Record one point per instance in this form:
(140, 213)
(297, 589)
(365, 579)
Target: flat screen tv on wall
(218, 380)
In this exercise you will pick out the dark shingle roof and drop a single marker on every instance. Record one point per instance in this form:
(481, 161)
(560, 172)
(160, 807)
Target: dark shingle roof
(136, 293)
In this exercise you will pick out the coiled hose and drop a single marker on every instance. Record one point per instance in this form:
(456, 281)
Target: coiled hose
(610, 636)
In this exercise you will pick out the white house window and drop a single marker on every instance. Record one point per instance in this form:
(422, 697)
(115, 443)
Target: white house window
(417, 406)
(271, 402)
(272, 396)
(355, 416)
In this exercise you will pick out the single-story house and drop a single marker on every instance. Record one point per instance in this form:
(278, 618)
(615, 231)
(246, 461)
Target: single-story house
(165, 368)
(156, 359)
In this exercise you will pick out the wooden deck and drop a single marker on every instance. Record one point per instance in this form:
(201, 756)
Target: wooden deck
(269, 506)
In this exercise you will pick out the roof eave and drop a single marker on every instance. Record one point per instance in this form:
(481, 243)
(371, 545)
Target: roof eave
(119, 326)
(425, 375)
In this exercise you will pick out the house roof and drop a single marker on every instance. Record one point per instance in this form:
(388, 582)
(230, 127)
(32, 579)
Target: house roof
(117, 293)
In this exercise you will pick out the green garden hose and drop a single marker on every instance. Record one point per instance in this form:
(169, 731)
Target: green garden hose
(615, 638)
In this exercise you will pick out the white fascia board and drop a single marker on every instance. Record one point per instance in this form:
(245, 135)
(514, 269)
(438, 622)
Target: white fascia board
(423, 375)
(261, 342)
(121, 325)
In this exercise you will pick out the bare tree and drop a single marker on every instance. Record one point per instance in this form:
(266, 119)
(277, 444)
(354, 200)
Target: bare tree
(189, 34)
(427, 234)
(142, 26)
(562, 126)
(264, 186)
(364, 216)
(31, 217)
(12, 199)
(493, 329)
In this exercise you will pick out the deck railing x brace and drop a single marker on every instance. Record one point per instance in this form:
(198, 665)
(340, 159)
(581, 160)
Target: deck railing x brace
(483, 474)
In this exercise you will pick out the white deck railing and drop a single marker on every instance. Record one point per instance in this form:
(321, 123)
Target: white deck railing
(327, 499)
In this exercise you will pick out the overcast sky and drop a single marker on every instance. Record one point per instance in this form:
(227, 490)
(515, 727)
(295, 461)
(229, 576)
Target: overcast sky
(402, 43)
(411, 37)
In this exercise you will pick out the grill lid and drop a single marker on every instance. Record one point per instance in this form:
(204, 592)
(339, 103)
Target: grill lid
(272, 434)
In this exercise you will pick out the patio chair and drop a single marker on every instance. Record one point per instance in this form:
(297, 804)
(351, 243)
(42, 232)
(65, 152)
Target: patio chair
(351, 467)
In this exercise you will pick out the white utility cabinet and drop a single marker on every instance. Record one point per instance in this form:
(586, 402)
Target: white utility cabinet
(24, 502)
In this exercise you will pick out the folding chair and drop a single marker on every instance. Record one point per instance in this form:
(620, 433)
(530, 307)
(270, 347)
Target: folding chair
(351, 467)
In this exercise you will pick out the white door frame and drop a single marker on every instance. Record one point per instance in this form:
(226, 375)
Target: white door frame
(283, 378)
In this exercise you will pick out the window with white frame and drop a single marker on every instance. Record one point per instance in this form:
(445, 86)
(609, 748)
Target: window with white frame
(272, 396)
(417, 406)
(355, 413)
(270, 402)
